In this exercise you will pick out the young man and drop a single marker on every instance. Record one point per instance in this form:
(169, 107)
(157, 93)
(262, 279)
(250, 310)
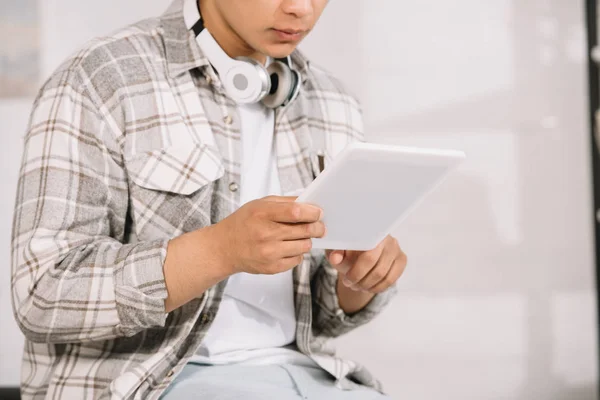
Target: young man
(154, 252)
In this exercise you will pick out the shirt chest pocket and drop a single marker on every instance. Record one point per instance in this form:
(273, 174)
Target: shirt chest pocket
(171, 189)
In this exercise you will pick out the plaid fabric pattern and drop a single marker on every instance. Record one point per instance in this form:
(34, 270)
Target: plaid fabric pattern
(132, 142)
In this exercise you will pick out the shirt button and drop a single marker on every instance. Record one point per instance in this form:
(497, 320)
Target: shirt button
(228, 120)
(170, 373)
(206, 318)
(233, 187)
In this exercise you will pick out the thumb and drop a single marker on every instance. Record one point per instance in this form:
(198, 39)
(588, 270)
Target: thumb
(336, 257)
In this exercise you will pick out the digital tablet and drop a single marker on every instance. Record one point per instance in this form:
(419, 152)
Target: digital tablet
(369, 189)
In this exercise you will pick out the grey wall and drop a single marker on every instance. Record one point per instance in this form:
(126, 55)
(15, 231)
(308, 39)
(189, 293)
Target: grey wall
(498, 300)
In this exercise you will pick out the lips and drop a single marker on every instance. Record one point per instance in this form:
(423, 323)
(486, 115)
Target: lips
(291, 31)
(289, 35)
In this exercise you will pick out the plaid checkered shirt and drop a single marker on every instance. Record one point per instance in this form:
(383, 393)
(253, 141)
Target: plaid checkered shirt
(132, 142)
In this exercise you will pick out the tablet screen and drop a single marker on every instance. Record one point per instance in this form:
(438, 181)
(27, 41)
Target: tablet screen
(369, 189)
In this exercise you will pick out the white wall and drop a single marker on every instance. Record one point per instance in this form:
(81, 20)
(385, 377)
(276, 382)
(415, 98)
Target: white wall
(498, 300)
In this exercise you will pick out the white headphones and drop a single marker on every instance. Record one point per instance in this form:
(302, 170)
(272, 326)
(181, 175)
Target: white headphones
(246, 80)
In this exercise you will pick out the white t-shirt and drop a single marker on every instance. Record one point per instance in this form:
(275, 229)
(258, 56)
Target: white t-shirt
(256, 318)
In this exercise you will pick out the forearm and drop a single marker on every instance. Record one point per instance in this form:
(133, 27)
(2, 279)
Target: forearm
(195, 262)
(352, 301)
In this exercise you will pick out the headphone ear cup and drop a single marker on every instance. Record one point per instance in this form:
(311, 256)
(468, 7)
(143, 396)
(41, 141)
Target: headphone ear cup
(247, 80)
(283, 84)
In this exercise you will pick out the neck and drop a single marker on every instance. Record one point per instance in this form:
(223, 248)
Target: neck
(224, 34)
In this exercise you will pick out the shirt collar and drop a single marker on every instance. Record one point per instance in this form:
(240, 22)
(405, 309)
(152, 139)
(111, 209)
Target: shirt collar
(182, 51)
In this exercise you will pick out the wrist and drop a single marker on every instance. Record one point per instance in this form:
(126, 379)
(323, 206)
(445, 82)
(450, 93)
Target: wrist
(192, 266)
(351, 301)
(222, 249)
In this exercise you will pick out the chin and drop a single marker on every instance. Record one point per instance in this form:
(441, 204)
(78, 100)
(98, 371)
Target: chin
(280, 50)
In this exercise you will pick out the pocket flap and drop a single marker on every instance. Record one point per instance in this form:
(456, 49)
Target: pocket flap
(176, 169)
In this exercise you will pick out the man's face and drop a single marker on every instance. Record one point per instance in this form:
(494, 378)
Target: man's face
(271, 27)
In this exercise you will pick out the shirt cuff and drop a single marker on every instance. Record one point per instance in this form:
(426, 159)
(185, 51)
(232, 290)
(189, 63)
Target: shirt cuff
(140, 287)
(337, 322)
(367, 314)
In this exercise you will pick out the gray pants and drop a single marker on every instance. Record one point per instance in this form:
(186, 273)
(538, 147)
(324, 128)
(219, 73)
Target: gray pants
(280, 382)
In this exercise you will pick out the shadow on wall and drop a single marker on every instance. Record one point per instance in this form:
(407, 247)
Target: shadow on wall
(581, 393)
(538, 114)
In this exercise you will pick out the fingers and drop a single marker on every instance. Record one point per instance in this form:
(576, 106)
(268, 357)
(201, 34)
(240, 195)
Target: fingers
(373, 276)
(294, 248)
(276, 251)
(344, 260)
(379, 272)
(281, 265)
(390, 279)
(363, 265)
(302, 231)
(335, 257)
(290, 262)
(292, 212)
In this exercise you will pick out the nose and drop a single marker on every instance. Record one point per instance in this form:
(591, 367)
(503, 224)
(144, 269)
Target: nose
(298, 8)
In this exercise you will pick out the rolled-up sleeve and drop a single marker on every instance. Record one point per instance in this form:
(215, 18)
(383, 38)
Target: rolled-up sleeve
(73, 279)
(329, 320)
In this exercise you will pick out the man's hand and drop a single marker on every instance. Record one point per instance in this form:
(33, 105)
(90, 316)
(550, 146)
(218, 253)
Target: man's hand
(364, 274)
(270, 235)
(265, 236)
